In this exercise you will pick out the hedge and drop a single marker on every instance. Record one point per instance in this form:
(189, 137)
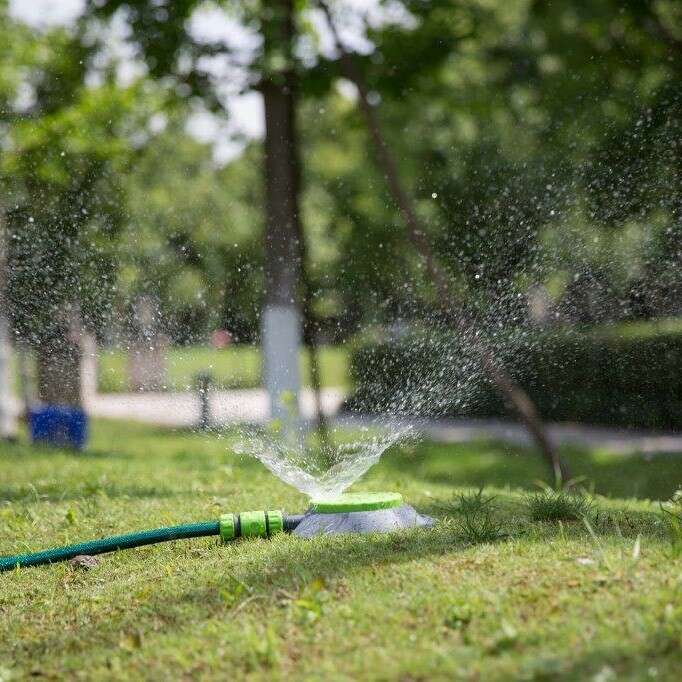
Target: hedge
(609, 376)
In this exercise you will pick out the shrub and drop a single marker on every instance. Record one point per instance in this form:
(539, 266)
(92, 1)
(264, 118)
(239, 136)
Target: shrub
(605, 376)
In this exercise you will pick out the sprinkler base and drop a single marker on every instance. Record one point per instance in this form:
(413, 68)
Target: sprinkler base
(360, 513)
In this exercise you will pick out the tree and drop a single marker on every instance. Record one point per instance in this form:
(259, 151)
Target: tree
(202, 277)
(66, 151)
(164, 37)
(281, 317)
(9, 85)
(514, 395)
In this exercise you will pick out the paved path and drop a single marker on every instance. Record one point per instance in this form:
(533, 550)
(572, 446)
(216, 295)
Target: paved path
(465, 430)
(614, 440)
(182, 409)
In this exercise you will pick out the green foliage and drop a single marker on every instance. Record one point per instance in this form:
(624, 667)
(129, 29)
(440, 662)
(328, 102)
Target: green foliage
(478, 518)
(601, 377)
(475, 517)
(192, 238)
(459, 617)
(672, 516)
(63, 169)
(558, 505)
(481, 527)
(474, 503)
(62, 161)
(519, 125)
(538, 144)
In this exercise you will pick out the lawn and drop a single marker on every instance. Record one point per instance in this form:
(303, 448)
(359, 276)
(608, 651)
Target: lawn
(525, 599)
(232, 367)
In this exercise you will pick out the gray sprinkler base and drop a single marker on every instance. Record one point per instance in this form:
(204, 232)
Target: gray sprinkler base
(378, 521)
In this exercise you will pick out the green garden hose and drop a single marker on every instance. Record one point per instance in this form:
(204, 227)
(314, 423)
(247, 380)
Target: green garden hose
(229, 527)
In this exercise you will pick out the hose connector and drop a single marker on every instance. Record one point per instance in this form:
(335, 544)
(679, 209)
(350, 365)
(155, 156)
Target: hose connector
(251, 524)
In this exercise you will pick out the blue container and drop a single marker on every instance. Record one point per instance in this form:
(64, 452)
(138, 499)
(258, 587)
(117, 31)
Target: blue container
(58, 425)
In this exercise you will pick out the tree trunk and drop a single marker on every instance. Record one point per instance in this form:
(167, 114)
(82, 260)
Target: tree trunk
(310, 336)
(147, 348)
(88, 345)
(25, 378)
(514, 396)
(59, 371)
(281, 321)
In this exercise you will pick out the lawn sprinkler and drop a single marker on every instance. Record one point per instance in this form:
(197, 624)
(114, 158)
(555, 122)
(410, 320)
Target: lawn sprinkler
(359, 513)
(346, 513)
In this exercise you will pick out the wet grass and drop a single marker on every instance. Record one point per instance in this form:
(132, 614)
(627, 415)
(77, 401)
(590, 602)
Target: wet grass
(530, 600)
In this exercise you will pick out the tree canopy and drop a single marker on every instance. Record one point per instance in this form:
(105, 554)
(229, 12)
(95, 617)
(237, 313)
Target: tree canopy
(540, 142)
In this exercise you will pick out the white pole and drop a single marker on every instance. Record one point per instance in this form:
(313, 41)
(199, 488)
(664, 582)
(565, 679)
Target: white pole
(281, 339)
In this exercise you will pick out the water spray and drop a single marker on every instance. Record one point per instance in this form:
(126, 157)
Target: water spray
(344, 513)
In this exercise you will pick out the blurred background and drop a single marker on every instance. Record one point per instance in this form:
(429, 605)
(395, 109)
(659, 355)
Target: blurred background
(336, 202)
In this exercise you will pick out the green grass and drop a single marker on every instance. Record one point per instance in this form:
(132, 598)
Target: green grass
(558, 505)
(672, 515)
(540, 601)
(233, 367)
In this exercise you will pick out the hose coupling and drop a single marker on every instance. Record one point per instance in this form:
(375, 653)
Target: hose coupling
(251, 524)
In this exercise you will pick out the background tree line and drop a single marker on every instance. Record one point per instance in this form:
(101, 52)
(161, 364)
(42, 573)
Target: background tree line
(540, 140)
